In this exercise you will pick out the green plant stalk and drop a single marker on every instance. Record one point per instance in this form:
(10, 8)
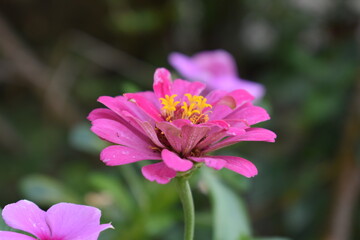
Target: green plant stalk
(188, 206)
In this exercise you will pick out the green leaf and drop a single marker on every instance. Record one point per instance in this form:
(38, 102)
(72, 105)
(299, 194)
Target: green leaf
(46, 191)
(116, 188)
(230, 217)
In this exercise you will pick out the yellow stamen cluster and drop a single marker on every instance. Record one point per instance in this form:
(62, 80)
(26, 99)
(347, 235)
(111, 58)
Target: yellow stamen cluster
(169, 105)
(192, 109)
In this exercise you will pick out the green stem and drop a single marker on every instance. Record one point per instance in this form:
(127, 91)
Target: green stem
(188, 206)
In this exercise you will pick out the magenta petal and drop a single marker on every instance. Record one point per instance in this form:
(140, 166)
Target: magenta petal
(219, 112)
(213, 162)
(251, 114)
(173, 161)
(250, 134)
(240, 165)
(172, 134)
(69, 221)
(120, 155)
(191, 136)
(149, 131)
(26, 216)
(241, 96)
(146, 105)
(258, 134)
(102, 113)
(181, 87)
(158, 172)
(214, 96)
(162, 83)
(5, 235)
(115, 132)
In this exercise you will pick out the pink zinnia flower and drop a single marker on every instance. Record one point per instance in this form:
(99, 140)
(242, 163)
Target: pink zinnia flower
(217, 69)
(178, 127)
(63, 221)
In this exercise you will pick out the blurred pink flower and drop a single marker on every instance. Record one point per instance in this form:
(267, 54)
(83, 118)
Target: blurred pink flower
(217, 69)
(63, 221)
(179, 127)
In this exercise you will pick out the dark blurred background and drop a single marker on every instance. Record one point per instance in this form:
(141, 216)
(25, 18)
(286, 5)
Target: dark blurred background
(58, 57)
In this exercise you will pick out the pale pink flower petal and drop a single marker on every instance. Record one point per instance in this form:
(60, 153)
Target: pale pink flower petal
(26, 216)
(5, 235)
(240, 165)
(120, 155)
(174, 162)
(69, 221)
(63, 221)
(158, 172)
(216, 68)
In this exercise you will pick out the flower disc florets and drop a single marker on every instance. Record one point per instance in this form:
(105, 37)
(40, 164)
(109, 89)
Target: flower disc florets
(178, 126)
(195, 108)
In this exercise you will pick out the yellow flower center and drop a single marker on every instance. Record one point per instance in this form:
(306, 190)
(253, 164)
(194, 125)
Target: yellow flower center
(195, 108)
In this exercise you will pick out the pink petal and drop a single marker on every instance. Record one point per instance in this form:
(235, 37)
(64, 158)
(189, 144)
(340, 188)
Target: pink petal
(172, 134)
(214, 96)
(250, 134)
(149, 131)
(120, 155)
(104, 113)
(26, 216)
(215, 134)
(162, 83)
(158, 172)
(240, 165)
(4, 235)
(120, 105)
(69, 221)
(174, 162)
(241, 96)
(181, 122)
(219, 112)
(115, 132)
(251, 115)
(181, 87)
(191, 136)
(227, 101)
(146, 105)
(213, 162)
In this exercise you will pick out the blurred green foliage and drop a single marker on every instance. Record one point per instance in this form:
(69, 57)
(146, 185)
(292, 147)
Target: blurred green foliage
(306, 53)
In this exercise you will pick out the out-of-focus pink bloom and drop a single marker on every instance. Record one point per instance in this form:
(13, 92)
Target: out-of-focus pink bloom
(63, 221)
(217, 69)
(178, 127)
